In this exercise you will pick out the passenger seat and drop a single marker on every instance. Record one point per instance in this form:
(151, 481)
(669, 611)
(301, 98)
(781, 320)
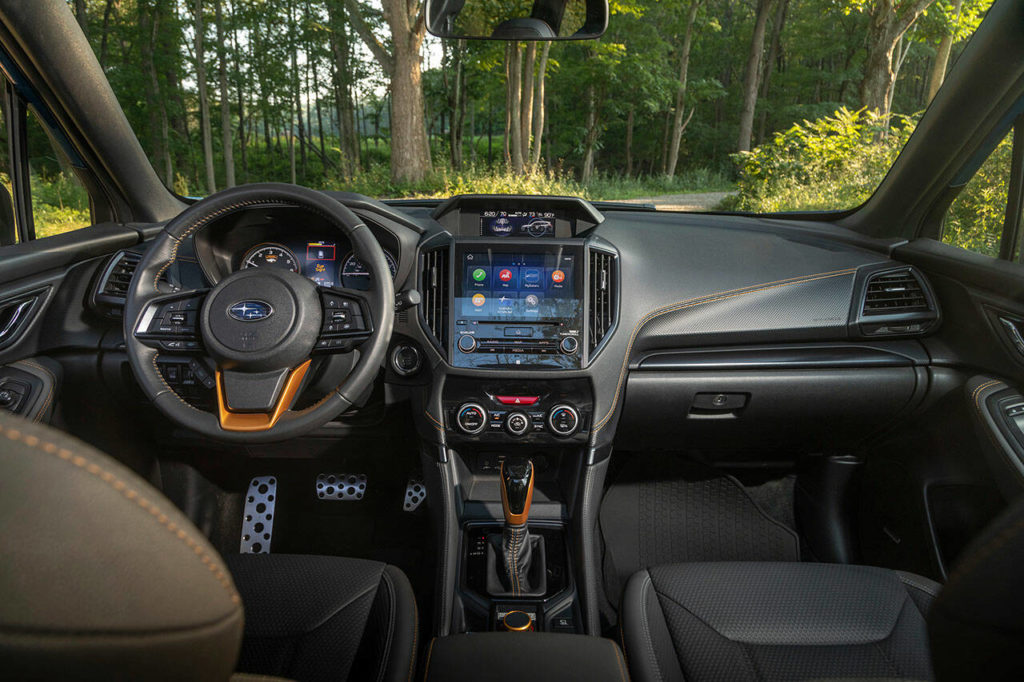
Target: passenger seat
(789, 621)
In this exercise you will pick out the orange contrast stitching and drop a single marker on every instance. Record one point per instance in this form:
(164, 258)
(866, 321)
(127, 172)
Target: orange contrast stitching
(49, 394)
(618, 659)
(701, 300)
(132, 495)
(415, 633)
(437, 423)
(430, 652)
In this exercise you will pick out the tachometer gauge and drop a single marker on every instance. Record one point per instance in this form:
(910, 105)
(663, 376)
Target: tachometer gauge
(354, 274)
(270, 256)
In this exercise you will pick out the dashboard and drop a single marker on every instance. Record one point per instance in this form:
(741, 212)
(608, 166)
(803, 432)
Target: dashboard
(318, 259)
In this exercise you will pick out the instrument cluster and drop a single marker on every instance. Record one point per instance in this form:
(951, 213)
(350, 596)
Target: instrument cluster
(327, 263)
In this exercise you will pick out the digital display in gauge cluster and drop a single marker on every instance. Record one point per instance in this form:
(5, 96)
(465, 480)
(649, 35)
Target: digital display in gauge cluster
(517, 224)
(317, 260)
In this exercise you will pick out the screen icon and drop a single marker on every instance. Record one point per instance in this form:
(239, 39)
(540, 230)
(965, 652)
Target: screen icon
(479, 300)
(505, 275)
(479, 275)
(531, 277)
(557, 276)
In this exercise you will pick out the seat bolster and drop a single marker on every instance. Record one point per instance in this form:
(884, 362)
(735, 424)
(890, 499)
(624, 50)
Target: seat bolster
(387, 652)
(648, 645)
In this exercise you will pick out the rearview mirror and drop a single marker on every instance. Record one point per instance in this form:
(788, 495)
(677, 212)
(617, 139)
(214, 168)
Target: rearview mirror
(525, 20)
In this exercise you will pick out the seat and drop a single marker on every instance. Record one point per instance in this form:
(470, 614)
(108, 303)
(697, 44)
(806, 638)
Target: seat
(775, 621)
(753, 621)
(103, 578)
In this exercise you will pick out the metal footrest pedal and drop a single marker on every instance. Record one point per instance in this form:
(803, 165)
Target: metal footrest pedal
(340, 487)
(415, 493)
(258, 515)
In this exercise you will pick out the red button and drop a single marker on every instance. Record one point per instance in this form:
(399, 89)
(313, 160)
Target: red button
(517, 399)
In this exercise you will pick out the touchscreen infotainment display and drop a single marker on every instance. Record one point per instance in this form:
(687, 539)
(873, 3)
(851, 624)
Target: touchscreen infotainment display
(518, 305)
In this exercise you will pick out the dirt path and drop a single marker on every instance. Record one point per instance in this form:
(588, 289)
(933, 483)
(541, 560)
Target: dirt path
(683, 202)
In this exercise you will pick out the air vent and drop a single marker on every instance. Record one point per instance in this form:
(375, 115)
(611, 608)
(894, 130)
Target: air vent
(896, 292)
(435, 294)
(602, 290)
(117, 277)
(897, 303)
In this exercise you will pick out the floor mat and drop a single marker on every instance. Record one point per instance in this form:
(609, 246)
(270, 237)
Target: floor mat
(663, 509)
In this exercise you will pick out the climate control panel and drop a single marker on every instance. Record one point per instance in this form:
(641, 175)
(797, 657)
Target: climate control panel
(529, 412)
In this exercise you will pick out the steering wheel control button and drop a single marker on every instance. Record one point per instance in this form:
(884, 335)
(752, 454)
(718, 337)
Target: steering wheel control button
(467, 344)
(472, 418)
(517, 423)
(563, 420)
(258, 515)
(405, 360)
(524, 400)
(569, 345)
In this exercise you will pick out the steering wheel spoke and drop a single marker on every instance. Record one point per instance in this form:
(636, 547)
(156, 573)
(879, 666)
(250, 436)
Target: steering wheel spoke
(248, 401)
(347, 322)
(171, 322)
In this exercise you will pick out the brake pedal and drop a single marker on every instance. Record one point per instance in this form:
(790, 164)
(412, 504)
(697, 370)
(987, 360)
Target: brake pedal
(258, 516)
(415, 493)
(341, 487)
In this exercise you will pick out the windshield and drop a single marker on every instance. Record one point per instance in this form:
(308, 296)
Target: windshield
(755, 106)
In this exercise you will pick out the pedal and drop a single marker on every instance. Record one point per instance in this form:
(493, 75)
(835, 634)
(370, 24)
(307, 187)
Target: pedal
(258, 516)
(341, 487)
(415, 493)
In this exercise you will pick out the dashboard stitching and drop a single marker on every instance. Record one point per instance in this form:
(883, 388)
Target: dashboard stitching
(693, 302)
(437, 423)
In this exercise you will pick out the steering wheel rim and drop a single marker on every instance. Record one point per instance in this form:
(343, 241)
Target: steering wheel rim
(146, 293)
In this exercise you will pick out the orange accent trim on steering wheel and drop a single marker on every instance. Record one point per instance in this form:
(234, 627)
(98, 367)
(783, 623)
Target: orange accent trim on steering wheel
(260, 421)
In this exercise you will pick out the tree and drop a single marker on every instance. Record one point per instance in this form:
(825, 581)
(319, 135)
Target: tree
(410, 149)
(679, 123)
(751, 79)
(204, 102)
(225, 99)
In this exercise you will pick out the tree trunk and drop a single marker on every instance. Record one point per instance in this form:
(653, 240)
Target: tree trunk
(204, 102)
(678, 121)
(81, 17)
(515, 71)
(104, 36)
(938, 73)
(539, 104)
(752, 75)
(590, 136)
(629, 141)
(526, 114)
(225, 99)
(886, 26)
(456, 101)
(769, 66)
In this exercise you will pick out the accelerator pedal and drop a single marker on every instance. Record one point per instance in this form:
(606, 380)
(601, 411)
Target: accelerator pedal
(415, 493)
(341, 487)
(258, 515)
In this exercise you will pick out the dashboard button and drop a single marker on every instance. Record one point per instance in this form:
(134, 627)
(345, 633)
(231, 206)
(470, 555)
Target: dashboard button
(472, 418)
(520, 332)
(569, 345)
(467, 344)
(563, 420)
(517, 399)
(517, 423)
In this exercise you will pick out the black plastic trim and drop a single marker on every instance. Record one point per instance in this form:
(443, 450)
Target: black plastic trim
(785, 357)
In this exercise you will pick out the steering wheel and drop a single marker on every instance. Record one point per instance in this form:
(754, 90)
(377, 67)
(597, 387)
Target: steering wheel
(262, 327)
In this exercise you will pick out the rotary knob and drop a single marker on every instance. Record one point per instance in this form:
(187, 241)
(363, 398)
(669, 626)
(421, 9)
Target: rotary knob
(467, 344)
(569, 345)
(563, 420)
(471, 418)
(517, 423)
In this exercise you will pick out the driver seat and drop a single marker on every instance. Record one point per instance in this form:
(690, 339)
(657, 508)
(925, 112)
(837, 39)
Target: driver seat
(103, 578)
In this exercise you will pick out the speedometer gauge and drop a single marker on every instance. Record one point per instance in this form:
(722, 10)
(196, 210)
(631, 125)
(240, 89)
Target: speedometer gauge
(270, 256)
(354, 274)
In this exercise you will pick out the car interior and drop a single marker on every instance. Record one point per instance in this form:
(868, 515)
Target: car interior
(286, 433)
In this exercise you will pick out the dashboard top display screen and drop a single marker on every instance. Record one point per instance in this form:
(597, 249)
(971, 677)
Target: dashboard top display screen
(517, 224)
(518, 286)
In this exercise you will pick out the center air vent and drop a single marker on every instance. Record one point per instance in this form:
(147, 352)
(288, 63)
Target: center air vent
(897, 302)
(603, 296)
(112, 288)
(435, 295)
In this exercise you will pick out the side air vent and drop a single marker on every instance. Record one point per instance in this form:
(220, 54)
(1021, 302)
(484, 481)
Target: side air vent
(897, 302)
(603, 296)
(435, 295)
(112, 288)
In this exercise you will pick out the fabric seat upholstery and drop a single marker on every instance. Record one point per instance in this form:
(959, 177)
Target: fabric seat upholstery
(776, 621)
(325, 618)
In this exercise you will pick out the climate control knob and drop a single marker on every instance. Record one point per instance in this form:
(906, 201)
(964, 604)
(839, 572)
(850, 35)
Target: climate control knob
(517, 423)
(467, 344)
(563, 420)
(569, 345)
(471, 418)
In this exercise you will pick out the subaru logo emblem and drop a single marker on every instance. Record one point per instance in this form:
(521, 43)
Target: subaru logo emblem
(250, 311)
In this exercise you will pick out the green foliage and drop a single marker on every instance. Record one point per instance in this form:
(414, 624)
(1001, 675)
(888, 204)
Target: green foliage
(829, 163)
(975, 219)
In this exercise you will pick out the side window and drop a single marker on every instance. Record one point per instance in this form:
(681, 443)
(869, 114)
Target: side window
(8, 226)
(983, 218)
(59, 201)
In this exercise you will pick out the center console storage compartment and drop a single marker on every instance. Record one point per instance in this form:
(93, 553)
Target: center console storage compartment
(518, 656)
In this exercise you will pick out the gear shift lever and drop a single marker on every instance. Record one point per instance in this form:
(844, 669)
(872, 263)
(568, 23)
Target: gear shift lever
(518, 558)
